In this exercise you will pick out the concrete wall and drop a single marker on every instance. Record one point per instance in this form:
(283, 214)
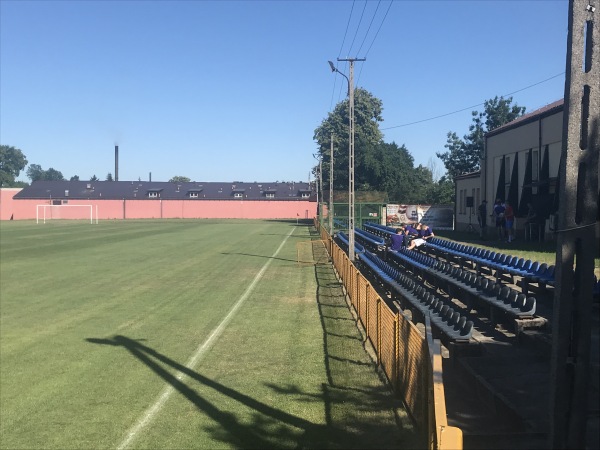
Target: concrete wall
(516, 143)
(467, 187)
(156, 209)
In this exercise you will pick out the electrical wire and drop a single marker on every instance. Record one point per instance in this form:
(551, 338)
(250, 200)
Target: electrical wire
(368, 29)
(473, 106)
(357, 27)
(339, 55)
(375, 37)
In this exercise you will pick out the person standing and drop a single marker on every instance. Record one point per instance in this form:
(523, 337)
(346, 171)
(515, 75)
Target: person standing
(509, 219)
(498, 213)
(482, 218)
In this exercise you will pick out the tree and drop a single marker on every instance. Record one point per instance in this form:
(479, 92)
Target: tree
(109, 177)
(12, 161)
(94, 178)
(463, 155)
(367, 115)
(179, 179)
(36, 173)
(75, 178)
(53, 175)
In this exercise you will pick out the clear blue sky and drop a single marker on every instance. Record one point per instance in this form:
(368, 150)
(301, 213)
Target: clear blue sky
(233, 90)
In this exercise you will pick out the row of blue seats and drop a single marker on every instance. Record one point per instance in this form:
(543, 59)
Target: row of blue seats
(369, 240)
(533, 271)
(342, 238)
(414, 258)
(495, 294)
(454, 325)
(378, 226)
(379, 230)
(478, 287)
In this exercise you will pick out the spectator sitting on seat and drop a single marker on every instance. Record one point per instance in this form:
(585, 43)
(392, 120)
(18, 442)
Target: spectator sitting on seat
(412, 230)
(417, 242)
(425, 232)
(398, 240)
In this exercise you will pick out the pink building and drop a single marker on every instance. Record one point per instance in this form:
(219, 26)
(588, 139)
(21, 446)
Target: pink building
(153, 200)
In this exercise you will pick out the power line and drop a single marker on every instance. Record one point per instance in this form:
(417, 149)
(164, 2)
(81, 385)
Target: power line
(379, 29)
(369, 28)
(375, 37)
(357, 27)
(474, 106)
(340, 54)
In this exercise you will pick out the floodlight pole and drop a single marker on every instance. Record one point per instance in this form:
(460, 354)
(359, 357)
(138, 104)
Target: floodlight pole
(350, 150)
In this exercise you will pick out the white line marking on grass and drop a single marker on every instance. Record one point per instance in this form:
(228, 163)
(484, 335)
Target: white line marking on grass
(153, 410)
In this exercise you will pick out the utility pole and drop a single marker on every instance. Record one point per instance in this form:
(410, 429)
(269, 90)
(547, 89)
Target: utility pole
(321, 186)
(577, 219)
(350, 150)
(331, 187)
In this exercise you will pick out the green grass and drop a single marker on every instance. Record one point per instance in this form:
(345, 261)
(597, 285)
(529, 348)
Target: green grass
(97, 320)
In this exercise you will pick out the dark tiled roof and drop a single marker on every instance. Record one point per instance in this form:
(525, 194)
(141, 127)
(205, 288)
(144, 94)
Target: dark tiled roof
(544, 111)
(468, 175)
(139, 190)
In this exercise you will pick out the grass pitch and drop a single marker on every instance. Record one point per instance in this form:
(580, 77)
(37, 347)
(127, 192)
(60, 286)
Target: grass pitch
(122, 335)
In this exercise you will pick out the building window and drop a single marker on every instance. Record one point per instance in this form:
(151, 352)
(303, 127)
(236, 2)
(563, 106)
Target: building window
(153, 194)
(270, 195)
(237, 195)
(305, 194)
(194, 195)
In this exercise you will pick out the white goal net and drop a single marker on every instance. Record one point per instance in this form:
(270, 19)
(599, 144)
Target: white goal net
(65, 212)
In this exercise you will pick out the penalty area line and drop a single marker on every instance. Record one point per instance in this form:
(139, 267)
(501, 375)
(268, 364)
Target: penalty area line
(153, 410)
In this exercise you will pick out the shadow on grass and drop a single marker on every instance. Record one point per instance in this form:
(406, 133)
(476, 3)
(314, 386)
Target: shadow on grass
(260, 256)
(352, 376)
(272, 427)
(261, 433)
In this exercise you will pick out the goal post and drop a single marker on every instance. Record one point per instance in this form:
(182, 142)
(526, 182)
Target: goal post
(66, 212)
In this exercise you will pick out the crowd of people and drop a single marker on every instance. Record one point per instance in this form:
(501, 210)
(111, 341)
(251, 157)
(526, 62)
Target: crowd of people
(410, 236)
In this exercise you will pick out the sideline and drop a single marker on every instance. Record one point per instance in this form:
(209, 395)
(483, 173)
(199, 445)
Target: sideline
(153, 410)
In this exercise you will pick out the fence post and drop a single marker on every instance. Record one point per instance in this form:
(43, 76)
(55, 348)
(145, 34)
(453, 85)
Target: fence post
(378, 330)
(367, 327)
(396, 367)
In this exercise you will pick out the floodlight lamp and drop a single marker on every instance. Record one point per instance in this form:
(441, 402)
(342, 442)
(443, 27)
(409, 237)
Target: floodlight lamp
(333, 69)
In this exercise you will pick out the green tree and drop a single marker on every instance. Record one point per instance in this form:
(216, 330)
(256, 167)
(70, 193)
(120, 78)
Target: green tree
(109, 177)
(179, 179)
(53, 175)
(94, 178)
(367, 135)
(36, 173)
(74, 178)
(463, 155)
(12, 161)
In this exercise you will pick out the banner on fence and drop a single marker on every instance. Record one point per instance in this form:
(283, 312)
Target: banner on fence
(439, 217)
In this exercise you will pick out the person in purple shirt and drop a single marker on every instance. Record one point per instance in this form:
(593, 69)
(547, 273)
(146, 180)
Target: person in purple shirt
(412, 231)
(425, 232)
(398, 240)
